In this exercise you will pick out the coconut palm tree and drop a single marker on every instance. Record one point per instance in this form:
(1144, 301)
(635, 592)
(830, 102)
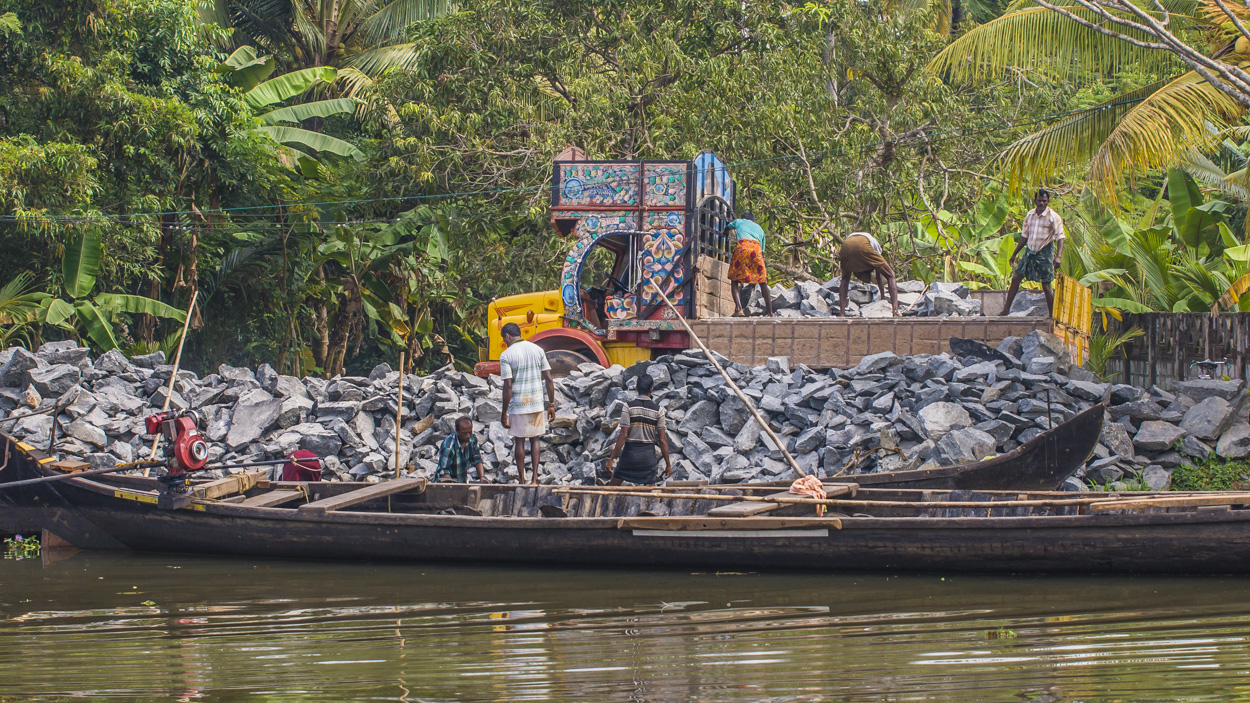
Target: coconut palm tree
(361, 38)
(1201, 46)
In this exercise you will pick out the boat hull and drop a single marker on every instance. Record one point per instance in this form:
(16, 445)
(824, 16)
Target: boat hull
(1207, 541)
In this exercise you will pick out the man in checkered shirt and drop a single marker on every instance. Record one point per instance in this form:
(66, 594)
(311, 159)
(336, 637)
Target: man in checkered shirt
(1042, 242)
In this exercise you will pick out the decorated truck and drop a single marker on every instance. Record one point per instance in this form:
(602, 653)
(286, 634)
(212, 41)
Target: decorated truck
(628, 222)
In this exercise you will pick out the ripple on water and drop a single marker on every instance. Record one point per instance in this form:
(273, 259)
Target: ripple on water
(219, 629)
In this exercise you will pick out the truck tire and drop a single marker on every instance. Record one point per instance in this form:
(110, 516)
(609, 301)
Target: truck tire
(564, 361)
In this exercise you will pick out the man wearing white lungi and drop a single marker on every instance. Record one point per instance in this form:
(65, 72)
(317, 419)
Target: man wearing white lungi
(524, 369)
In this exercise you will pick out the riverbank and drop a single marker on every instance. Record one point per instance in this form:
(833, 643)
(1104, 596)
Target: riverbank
(888, 413)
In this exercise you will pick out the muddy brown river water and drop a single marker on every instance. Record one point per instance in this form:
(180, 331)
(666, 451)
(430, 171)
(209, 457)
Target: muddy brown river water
(140, 627)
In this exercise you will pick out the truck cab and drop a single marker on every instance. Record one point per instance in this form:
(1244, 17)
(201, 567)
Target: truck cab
(628, 223)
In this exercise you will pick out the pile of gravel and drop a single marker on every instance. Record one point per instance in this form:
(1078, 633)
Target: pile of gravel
(925, 410)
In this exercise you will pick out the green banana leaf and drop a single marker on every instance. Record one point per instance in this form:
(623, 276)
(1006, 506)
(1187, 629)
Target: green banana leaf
(1124, 304)
(80, 265)
(1183, 194)
(98, 328)
(244, 69)
(312, 140)
(288, 85)
(304, 111)
(57, 312)
(139, 304)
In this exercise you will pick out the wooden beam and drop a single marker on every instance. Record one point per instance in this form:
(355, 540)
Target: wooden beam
(234, 483)
(272, 499)
(1172, 502)
(741, 523)
(363, 495)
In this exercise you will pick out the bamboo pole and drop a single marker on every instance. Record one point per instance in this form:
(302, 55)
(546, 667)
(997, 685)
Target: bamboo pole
(1060, 502)
(399, 412)
(174, 376)
(707, 496)
(759, 419)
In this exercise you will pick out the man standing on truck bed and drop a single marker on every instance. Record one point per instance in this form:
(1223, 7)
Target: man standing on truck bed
(860, 256)
(524, 369)
(1043, 243)
(747, 265)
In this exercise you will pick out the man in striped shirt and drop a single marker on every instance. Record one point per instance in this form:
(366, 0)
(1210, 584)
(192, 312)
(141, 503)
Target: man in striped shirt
(1042, 241)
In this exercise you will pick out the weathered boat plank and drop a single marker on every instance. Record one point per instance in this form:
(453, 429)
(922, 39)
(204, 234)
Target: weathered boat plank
(272, 499)
(362, 495)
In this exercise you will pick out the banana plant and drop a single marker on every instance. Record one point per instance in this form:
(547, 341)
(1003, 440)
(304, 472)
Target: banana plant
(77, 312)
(1181, 256)
(250, 73)
(388, 276)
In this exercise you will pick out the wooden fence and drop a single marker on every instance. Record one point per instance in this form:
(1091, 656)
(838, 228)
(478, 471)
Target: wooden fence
(1174, 341)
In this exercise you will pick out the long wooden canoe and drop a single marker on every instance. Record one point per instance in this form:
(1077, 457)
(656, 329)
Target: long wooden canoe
(866, 528)
(1040, 464)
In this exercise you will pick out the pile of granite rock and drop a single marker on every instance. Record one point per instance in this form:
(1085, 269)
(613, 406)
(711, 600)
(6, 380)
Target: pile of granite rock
(888, 413)
(915, 299)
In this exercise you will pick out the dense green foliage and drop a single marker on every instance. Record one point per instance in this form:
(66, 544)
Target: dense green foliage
(1213, 474)
(334, 194)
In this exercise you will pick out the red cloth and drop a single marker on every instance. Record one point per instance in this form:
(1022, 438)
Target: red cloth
(303, 466)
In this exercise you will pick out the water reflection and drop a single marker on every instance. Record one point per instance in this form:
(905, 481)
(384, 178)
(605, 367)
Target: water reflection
(160, 628)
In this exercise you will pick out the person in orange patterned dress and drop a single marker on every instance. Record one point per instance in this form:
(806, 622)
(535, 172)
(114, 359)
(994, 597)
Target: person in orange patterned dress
(747, 265)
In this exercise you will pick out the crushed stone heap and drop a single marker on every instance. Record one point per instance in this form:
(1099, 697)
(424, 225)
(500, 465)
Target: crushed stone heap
(936, 410)
(915, 299)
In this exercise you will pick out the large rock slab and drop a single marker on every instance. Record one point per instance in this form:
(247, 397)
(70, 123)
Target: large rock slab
(964, 445)
(1209, 418)
(255, 413)
(1157, 436)
(16, 371)
(1037, 344)
(53, 381)
(1235, 442)
(942, 417)
(1203, 388)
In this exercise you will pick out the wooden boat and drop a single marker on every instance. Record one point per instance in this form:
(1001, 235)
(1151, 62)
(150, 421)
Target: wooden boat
(708, 528)
(1040, 464)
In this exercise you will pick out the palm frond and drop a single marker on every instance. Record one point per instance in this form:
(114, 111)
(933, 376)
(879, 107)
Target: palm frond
(1158, 129)
(1235, 185)
(375, 62)
(390, 22)
(1070, 143)
(1042, 39)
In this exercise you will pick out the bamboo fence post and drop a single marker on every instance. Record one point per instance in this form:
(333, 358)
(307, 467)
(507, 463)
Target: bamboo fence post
(759, 420)
(399, 412)
(174, 376)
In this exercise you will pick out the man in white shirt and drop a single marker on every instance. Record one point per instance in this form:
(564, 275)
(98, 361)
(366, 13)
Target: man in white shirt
(1042, 239)
(524, 369)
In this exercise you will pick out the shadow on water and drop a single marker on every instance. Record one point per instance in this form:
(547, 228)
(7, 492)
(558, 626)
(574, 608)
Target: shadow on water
(139, 627)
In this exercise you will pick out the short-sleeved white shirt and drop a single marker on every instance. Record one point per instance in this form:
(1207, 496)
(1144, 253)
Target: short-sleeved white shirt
(524, 363)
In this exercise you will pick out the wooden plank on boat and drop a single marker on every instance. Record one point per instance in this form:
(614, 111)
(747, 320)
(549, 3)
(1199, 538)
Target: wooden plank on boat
(696, 524)
(363, 495)
(234, 483)
(749, 508)
(272, 499)
(1171, 502)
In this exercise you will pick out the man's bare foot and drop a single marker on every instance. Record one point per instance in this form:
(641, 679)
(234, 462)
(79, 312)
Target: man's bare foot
(534, 482)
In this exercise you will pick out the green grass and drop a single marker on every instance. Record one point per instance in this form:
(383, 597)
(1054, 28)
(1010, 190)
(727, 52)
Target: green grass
(1212, 474)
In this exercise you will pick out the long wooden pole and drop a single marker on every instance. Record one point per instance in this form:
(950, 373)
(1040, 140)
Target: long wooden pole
(759, 419)
(399, 412)
(174, 376)
(705, 496)
(866, 503)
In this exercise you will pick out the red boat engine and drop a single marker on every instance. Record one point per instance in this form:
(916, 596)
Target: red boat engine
(185, 450)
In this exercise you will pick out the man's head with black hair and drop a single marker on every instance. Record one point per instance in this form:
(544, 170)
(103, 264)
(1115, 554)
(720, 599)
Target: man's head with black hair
(511, 332)
(645, 384)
